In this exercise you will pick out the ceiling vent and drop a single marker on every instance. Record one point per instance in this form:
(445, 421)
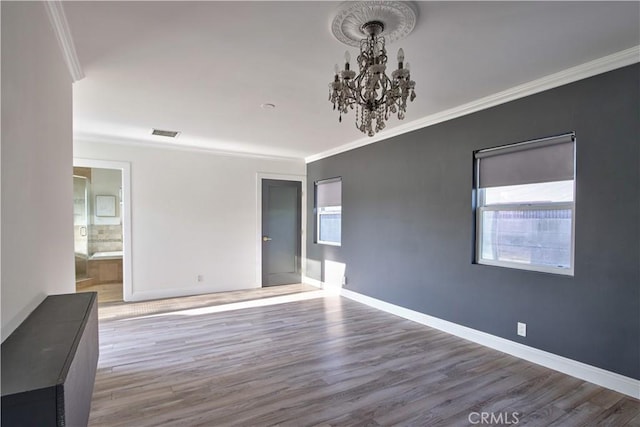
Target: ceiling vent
(167, 133)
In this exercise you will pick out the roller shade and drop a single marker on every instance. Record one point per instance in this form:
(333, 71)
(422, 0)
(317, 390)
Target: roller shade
(542, 160)
(329, 193)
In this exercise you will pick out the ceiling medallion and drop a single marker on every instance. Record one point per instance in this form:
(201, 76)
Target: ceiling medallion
(398, 17)
(371, 92)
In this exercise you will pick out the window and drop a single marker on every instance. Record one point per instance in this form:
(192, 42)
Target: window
(329, 211)
(525, 205)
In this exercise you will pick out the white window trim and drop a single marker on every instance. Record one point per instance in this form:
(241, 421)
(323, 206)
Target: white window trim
(522, 207)
(332, 210)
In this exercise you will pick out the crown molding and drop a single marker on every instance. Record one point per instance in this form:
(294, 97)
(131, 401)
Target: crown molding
(136, 143)
(570, 75)
(60, 27)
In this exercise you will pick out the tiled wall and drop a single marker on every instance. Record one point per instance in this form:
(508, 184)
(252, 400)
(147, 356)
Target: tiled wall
(105, 238)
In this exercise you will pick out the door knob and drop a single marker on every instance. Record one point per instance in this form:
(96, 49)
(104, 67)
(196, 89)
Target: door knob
(266, 238)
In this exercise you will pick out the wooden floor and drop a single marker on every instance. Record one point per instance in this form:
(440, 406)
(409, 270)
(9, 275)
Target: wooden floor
(112, 306)
(324, 360)
(107, 292)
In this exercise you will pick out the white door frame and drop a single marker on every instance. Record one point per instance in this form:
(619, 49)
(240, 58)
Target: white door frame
(125, 167)
(303, 253)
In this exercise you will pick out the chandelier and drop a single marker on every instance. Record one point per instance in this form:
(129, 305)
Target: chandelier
(374, 95)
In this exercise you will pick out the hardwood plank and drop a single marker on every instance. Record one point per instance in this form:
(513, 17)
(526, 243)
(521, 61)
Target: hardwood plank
(323, 361)
(107, 292)
(619, 414)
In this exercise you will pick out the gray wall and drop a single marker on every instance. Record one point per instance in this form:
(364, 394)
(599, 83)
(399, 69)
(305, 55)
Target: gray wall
(408, 224)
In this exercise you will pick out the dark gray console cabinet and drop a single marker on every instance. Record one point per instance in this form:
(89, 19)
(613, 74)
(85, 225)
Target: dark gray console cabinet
(49, 364)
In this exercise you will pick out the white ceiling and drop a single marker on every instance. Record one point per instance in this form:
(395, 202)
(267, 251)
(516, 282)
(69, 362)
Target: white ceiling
(204, 68)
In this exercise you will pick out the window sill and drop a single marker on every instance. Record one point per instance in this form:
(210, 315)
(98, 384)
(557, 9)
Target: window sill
(568, 272)
(328, 243)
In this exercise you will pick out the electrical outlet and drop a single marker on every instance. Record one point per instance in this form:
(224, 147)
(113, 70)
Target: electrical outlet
(200, 278)
(344, 280)
(522, 329)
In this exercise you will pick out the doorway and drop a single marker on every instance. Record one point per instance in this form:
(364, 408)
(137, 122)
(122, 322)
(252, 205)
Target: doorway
(102, 233)
(281, 220)
(98, 232)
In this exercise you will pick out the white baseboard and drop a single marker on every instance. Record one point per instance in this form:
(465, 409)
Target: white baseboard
(329, 288)
(313, 282)
(180, 292)
(184, 292)
(592, 374)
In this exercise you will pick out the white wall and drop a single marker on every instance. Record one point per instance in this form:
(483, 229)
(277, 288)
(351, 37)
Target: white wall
(193, 213)
(37, 188)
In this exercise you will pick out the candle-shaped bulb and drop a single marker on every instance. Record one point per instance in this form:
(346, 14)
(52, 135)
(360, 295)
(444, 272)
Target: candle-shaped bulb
(336, 69)
(347, 58)
(400, 56)
(406, 65)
